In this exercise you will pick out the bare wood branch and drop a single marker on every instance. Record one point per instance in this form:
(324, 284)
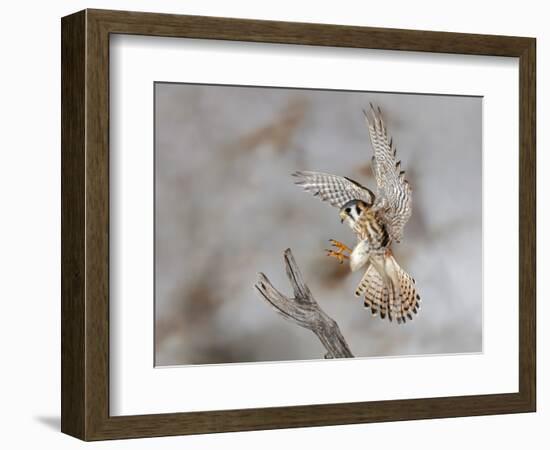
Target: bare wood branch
(303, 309)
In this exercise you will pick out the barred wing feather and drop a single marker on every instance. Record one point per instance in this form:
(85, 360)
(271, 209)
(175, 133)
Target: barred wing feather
(394, 192)
(333, 189)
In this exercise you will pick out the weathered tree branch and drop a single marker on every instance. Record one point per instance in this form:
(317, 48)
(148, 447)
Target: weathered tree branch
(303, 309)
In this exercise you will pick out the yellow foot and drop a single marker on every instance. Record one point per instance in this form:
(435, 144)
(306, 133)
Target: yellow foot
(340, 253)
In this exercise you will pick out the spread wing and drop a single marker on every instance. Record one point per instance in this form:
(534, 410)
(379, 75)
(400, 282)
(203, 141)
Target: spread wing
(332, 188)
(394, 192)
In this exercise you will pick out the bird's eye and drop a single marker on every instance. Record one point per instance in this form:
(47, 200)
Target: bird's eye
(348, 210)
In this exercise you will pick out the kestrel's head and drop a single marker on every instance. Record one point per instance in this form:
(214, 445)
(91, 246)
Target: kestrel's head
(350, 212)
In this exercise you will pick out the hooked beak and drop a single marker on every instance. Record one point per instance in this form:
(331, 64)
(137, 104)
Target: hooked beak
(342, 216)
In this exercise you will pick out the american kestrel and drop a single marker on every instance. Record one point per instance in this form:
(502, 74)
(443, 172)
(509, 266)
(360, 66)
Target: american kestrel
(377, 220)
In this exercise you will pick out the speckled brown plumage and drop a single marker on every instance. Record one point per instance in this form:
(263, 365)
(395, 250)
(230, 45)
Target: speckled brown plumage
(378, 220)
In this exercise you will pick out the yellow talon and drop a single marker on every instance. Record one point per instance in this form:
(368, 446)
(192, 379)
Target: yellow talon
(341, 247)
(340, 253)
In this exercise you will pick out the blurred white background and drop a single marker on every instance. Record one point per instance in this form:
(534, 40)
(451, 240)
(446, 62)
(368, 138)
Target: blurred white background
(30, 238)
(226, 208)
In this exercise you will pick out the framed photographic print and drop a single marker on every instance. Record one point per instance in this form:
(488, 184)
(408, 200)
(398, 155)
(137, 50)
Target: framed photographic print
(206, 289)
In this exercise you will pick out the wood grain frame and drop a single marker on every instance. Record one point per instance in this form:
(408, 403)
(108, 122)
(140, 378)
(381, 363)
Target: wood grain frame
(85, 224)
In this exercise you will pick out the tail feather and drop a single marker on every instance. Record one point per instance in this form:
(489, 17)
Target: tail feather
(400, 302)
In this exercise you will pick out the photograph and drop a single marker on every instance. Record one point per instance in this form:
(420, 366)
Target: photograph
(389, 254)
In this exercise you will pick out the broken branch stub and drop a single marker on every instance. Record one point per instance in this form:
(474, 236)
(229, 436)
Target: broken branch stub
(303, 309)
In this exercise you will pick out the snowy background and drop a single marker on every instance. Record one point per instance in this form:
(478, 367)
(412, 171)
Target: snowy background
(226, 208)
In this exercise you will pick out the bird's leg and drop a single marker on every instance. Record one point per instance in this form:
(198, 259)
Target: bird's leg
(340, 253)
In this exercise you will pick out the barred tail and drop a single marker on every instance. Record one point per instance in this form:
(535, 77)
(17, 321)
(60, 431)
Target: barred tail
(391, 294)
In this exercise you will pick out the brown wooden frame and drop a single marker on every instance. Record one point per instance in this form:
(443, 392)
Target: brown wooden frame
(85, 224)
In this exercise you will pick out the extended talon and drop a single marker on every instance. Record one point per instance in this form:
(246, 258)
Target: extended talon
(340, 253)
(341, 247)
